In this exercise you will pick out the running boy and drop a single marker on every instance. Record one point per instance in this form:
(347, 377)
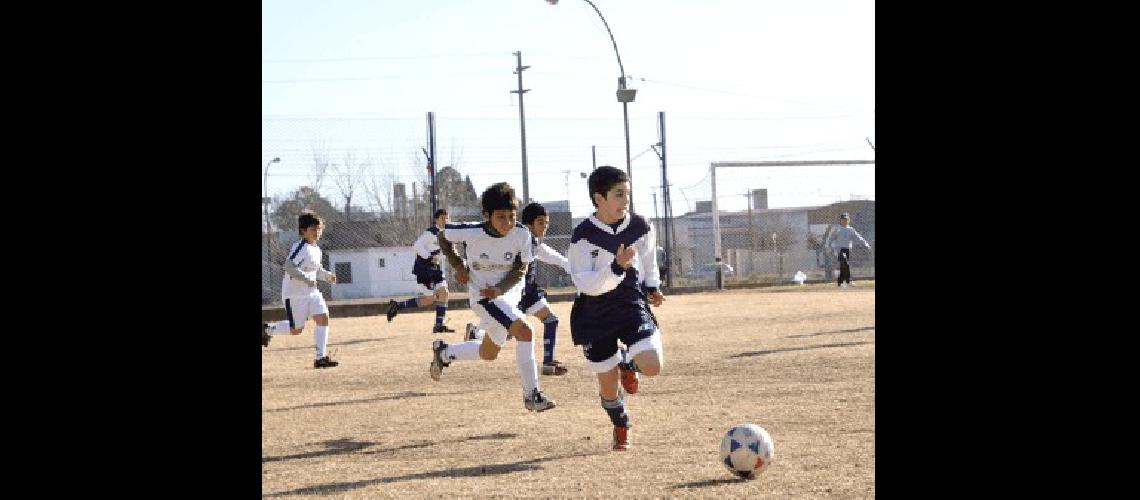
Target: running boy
(613, 263)
(299, 290)
(498, 254)
(429, 275)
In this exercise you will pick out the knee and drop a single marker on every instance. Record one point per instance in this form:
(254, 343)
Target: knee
(296, 331)
(651, 370)
(426, 300)
(522, 331)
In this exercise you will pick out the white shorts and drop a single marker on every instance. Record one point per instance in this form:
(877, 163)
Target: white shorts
(300, 309)
(496, 317)
(536, 307)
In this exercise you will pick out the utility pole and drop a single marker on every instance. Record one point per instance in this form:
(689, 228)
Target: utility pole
(594, 155)
(519, 68)
(430, 154)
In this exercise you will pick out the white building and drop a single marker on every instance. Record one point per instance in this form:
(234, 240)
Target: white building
(374, 272)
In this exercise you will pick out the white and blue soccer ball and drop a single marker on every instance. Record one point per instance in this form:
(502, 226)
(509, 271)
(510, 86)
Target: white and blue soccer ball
(746, 450)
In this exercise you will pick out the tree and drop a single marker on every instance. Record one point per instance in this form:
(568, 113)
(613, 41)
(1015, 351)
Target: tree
(348, 178)
(305, 197)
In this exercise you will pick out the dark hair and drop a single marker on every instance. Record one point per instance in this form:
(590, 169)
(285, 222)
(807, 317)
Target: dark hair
(531, 212)
(438, 213)
(845, 215)
(602, 179)
(500, 196)
(306, 220)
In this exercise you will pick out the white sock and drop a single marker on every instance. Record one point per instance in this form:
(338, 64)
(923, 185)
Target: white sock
(528, 372)
(464, 351)
(279, 328)
(322, 333)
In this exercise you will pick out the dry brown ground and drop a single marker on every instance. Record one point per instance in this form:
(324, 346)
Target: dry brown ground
(799, 361)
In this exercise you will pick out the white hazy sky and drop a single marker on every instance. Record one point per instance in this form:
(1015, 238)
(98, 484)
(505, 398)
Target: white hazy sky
(738, 80)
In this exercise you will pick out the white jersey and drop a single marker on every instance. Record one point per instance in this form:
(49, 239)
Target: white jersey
(307, 258)
(489, 257)
(427, 244)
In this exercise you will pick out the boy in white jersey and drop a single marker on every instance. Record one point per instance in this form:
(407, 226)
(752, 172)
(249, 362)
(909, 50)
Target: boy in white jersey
(842, 237)
(533, 302)
(428, 271)
(299, 290)
(498, 253)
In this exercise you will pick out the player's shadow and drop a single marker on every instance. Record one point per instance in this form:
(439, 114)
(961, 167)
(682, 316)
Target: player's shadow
(852, 330)
(345, 446)
(334, 447)
(708, 482)
(790, 349)
(332, 344)
(476, 470)
(402, 395)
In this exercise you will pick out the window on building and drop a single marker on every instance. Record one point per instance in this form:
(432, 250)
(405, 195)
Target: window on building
(381, 262)
(343, 272)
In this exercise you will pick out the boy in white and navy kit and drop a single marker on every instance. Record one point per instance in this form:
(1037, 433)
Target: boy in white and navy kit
(613, 263)
(299, 290)
(498, 254)
(843, 237)
(533, 302)
(428, 271)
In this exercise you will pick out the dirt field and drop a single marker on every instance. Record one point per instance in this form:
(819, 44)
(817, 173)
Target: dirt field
(797, 360)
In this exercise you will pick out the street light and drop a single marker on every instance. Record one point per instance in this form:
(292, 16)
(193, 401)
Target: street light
(265, 204)
(624, 95)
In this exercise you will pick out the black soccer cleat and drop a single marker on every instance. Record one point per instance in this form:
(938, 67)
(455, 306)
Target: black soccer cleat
(537, 401)
(265, 336)
(437, 362)
(393, 308)
(555, 367)
(325, 362)
(441, 329)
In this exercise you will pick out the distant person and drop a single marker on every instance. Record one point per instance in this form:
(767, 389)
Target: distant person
(842, 237)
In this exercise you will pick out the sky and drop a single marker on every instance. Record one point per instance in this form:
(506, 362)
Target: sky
(738, 80)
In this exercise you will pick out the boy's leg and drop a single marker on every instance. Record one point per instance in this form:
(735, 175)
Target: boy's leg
(440, 298)
(603, 358)
(296, 312)
(549, 338)
(321, 332)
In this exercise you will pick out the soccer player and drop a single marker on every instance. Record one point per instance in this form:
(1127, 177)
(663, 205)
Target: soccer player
(429, 275)
(498, 254)
(613, 263)
(299, 290)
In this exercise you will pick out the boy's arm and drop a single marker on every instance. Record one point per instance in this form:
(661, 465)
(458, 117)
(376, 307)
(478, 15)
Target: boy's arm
(551, 256)
(448, 251)
(292, 269)
(827, 237)
(590, 281)
(857, 235)
(647, 249)
(513, 277)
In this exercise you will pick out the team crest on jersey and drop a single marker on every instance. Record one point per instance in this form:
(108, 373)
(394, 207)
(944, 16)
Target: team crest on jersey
(594, 253)
(508, 256)
(483, 256)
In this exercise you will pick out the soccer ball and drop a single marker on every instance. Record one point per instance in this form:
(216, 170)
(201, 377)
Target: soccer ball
(746, 450)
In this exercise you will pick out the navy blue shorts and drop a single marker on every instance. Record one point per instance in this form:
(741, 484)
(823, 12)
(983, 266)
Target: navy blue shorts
(531, 297)
(427, 273)
(603, 348)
